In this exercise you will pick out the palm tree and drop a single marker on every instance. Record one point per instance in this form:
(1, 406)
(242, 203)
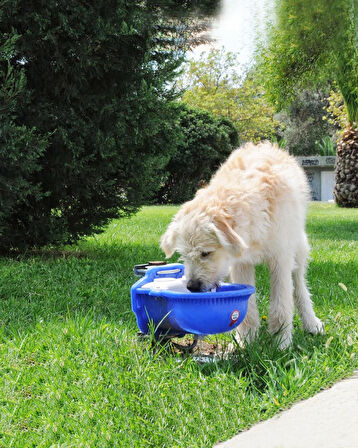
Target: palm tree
(312, 43)
(346, 188)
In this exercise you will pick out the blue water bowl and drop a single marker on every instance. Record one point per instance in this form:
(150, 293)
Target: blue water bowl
(176, 314)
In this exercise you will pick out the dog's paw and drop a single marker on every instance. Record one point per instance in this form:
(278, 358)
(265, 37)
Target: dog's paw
(284, 340)
(230, 348)
(241, 341)
(315, 326)
(245, 336)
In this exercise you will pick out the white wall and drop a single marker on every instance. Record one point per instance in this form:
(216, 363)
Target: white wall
(327, 185)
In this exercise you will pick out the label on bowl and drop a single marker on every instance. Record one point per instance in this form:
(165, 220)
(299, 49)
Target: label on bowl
(234, 317)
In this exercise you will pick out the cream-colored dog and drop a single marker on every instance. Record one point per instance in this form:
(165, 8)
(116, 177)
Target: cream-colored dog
(253, 211)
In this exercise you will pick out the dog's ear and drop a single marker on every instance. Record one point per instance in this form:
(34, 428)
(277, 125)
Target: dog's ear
(168, 240)
(227, 236)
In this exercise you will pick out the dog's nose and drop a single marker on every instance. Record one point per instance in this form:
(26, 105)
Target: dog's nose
(194, 285)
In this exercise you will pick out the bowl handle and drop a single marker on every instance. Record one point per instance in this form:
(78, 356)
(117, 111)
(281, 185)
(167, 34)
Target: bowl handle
(175, 270)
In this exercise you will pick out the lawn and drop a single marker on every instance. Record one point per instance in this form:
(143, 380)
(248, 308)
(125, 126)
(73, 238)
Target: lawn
(73, 372)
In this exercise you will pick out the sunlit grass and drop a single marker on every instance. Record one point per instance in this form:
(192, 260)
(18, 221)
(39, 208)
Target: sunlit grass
(73, 372)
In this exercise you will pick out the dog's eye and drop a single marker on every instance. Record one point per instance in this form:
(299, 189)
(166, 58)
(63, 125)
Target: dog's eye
(205, 254)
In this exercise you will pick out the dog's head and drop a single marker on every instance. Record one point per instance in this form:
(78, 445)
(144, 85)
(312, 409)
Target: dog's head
(208, 246)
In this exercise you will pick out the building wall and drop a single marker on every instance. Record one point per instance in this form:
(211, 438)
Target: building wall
(319, 171)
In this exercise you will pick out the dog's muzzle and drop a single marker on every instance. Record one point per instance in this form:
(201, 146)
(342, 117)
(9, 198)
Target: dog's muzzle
(194, 285)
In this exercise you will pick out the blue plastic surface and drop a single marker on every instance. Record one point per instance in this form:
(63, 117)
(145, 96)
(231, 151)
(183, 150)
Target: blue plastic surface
(176, 313)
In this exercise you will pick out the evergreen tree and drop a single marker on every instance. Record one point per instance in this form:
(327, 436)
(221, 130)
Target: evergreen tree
(86, 123)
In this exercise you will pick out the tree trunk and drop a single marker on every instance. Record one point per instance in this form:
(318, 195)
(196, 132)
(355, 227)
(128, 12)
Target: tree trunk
(346, 188)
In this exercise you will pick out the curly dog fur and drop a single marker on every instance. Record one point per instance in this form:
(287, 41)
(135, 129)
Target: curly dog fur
(252, 211)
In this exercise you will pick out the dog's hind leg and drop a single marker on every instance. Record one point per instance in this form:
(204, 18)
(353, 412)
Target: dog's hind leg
(248, 329)
(302, 296)
(281, 300)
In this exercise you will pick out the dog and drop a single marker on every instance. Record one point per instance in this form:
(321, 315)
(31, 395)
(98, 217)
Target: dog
(252, 211)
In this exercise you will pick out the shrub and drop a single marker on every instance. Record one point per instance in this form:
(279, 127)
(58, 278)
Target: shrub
(326, 147)
(205, 143)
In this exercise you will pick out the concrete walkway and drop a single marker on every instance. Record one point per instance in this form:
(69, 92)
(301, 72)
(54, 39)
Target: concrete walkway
(327, 420)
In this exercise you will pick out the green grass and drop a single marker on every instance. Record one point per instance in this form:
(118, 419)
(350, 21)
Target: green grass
(74, 374)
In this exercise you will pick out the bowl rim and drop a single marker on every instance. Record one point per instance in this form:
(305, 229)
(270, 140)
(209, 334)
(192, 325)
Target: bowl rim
(237, 290)
(240, 290)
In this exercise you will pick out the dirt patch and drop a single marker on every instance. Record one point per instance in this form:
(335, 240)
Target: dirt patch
(203, 348)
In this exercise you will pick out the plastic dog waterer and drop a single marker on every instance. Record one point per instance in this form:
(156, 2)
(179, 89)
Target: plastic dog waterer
(176, 313)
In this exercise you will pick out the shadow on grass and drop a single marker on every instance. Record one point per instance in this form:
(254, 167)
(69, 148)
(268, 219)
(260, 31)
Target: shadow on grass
(263, 369)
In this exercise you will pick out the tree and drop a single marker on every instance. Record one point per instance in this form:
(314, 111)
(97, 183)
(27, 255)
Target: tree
(214, 83)
(205, 143)
(336, 112)
(304, 124)
(21, 149)
(181, 8)
(314, 42)
(86, 116)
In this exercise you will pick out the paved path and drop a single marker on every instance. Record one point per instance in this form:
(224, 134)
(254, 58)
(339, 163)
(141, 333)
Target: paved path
(327, 420)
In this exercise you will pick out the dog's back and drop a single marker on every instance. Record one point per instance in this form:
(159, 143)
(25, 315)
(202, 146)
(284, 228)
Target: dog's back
(264, 167)
(264, 189)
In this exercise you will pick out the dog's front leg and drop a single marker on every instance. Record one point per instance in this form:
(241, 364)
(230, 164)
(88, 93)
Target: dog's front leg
(281, 301)
(248, 329)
